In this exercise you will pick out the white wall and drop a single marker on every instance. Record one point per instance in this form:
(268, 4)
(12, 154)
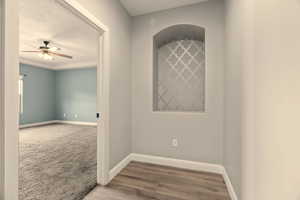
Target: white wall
(113, 15)
(200, 135)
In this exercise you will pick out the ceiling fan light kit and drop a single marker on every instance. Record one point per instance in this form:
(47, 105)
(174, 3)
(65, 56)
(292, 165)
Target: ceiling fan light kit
(48, 53)
(45, 56)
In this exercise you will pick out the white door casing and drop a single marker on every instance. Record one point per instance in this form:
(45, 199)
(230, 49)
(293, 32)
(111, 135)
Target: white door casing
(9, 119)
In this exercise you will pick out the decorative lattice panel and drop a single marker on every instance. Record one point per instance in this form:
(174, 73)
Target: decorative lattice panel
(180, 81)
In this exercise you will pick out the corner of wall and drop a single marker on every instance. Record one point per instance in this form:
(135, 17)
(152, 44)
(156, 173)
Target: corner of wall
(1, 103)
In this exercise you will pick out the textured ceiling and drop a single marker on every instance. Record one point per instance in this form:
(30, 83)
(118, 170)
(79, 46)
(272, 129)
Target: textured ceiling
(141, 7)
(47, 20)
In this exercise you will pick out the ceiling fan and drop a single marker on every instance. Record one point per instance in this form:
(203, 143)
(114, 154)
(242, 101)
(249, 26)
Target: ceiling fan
(47, 52)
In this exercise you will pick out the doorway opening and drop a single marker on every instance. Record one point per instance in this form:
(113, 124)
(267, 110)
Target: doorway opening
(63, 101)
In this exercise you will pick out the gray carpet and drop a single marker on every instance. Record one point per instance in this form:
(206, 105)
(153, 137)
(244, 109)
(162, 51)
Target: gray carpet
(57, 162)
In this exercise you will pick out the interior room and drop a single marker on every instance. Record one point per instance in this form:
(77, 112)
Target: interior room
(174, 100)
(58, 103)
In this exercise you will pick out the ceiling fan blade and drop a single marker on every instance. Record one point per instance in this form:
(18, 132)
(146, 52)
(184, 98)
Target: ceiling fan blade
(31, 51)
(59, 54)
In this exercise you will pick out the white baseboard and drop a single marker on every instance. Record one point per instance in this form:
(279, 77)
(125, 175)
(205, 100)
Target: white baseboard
(184, 164)
(77, 123)
(171, 162)
(229, 185)
(118, 168)
(37, 124)
(58, 121)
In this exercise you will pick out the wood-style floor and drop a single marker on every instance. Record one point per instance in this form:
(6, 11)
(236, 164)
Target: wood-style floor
(140, 181)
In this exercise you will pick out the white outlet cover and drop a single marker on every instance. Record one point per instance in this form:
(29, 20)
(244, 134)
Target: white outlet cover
(175, 142)
(76, 115)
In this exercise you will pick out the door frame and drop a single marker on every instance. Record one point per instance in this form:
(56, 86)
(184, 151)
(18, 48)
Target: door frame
(9, 148)
(103, 74)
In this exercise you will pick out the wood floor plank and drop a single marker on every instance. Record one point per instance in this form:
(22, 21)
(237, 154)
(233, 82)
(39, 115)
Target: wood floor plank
(154, 182)
(175, 172)
(182, 178)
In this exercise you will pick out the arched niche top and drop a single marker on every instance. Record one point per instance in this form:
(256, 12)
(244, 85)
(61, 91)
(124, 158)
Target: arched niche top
(179, 32)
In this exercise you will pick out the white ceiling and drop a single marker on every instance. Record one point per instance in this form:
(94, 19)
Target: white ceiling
(141, 7)
(47, 20)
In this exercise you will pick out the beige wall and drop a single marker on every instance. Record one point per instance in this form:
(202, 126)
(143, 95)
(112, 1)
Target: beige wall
(113, 15)
(199, 135)
(276, 100)
(1, 106)
(269, 96)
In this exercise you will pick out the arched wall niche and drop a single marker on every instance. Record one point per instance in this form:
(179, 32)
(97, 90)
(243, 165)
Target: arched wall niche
(179, 66)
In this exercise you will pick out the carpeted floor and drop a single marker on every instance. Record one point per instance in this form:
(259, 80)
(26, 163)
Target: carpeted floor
(57, 162)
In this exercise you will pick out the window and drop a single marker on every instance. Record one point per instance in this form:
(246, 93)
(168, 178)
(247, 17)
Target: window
(21, 107)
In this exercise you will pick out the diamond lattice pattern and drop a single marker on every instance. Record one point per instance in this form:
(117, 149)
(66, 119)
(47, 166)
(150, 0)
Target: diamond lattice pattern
(181, 77)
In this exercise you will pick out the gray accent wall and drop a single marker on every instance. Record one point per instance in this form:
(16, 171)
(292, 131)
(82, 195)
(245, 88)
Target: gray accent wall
(38, 95)
(200, 135)
(115, 17)
(48, 94)
(76, 95)
(233, 92)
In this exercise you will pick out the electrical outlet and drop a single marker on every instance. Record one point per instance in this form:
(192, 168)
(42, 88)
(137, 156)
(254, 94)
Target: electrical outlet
(76, 116)
(175, 142)
(65, 115)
